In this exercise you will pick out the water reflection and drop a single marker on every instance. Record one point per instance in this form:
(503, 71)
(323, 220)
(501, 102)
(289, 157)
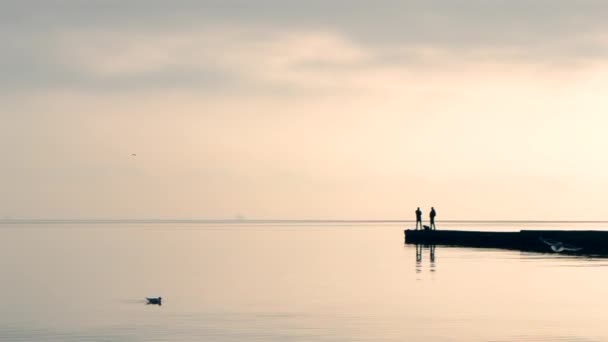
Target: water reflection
(286, 284)
(419, 253)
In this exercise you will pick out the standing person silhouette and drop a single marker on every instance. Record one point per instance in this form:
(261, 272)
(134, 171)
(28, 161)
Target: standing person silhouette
(432, 215)
(418, 218)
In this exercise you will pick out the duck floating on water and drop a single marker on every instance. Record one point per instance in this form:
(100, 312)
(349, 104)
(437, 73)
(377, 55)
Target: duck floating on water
(155, 301)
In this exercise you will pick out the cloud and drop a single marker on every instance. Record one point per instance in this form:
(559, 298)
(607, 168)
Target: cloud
(237, 50)
(278, 46)
(458, 23)
(220, 58)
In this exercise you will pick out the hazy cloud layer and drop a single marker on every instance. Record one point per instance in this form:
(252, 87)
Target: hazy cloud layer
(108, 44)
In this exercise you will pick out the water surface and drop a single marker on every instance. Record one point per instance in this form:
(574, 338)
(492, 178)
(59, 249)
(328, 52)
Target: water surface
(282, 282)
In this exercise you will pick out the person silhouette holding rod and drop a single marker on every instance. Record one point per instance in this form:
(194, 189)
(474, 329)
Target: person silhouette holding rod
(432, 215)
(418, 218)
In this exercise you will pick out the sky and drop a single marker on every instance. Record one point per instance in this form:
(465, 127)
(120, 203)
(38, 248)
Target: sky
(269, 109)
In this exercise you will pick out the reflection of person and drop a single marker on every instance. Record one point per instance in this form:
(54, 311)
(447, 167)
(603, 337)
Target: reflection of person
(432, 215)
(418, 218)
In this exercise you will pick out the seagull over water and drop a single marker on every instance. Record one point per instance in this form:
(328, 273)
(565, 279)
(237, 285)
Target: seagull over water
(558, 246)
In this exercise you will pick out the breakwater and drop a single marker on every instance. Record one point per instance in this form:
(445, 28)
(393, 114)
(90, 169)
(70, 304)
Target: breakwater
(588, 242)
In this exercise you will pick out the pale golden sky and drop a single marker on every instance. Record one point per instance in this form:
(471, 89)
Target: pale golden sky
(293, 110)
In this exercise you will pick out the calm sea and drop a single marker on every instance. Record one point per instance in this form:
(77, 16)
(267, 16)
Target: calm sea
(289, 282)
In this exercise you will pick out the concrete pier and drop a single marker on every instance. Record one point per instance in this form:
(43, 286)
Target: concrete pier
(588, 242)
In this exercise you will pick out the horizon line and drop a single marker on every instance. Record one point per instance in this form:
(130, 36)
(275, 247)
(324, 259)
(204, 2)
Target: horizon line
(264, 221)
